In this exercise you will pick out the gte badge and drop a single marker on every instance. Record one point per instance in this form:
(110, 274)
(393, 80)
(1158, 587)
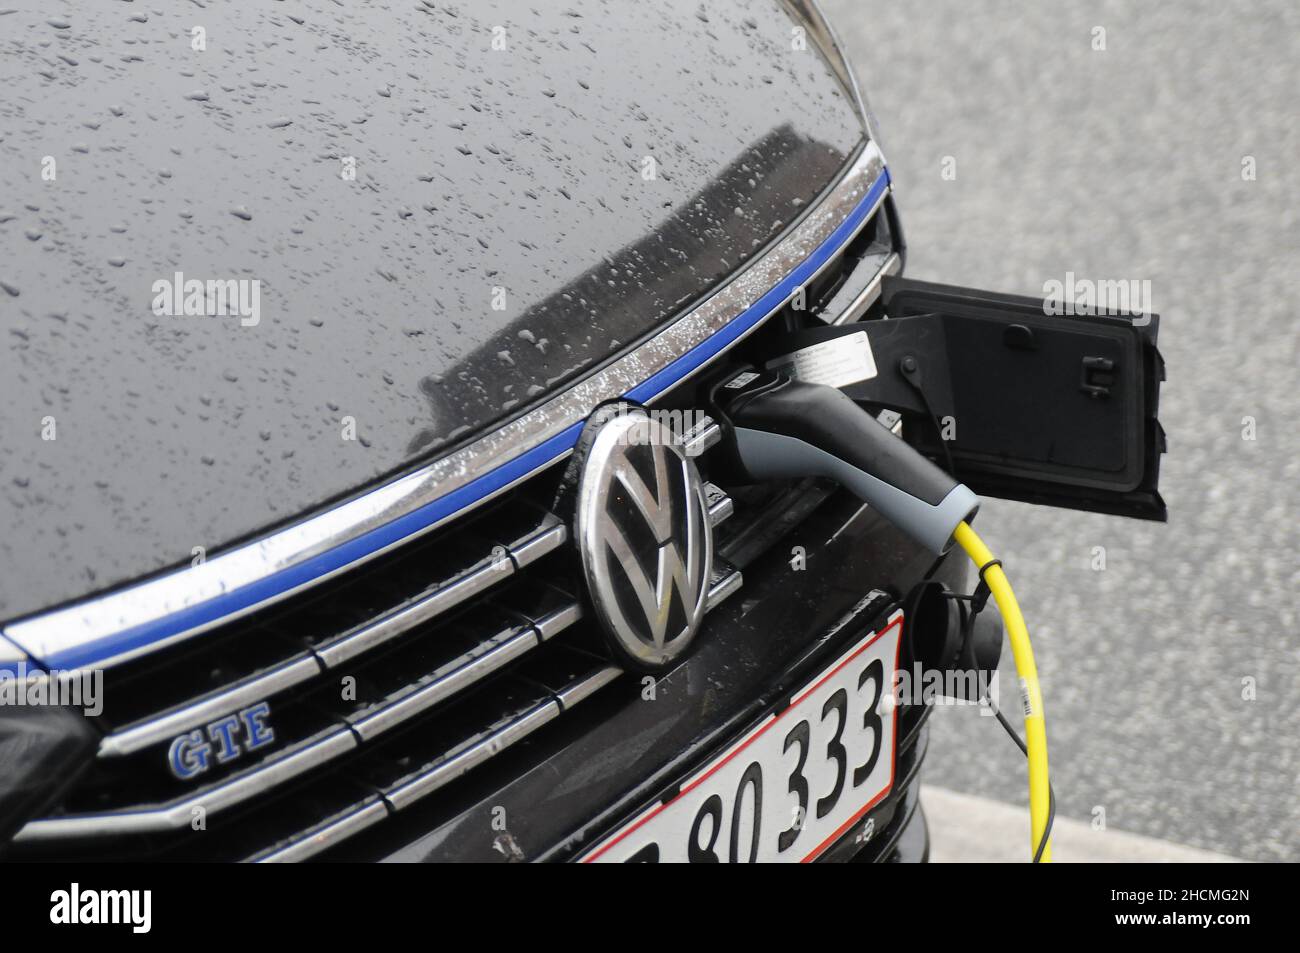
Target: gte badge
(225, 739)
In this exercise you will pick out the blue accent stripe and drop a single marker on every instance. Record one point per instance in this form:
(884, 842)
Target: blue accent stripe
(129, 640)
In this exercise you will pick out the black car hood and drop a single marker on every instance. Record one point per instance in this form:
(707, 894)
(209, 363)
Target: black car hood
(533, 190)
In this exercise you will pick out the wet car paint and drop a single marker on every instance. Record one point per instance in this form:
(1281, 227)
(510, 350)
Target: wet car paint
(500, 237)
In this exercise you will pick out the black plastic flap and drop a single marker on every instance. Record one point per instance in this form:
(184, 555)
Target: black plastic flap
(1016, 403)
(1053, 409)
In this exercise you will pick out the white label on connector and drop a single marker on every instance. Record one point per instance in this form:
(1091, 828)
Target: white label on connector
(837, 363)
(740, 380)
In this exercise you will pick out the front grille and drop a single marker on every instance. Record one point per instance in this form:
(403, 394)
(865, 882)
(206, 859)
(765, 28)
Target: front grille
(383, 689)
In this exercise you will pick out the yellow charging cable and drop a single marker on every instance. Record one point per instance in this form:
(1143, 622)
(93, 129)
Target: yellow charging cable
(1040, 796)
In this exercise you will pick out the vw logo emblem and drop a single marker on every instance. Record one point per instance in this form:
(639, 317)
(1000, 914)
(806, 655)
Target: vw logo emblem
(643, 531)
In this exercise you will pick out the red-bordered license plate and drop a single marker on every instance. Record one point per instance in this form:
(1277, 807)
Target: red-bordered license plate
(792, 786)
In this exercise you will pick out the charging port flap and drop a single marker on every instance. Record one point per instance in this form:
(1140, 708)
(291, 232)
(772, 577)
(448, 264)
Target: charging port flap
(1046, 408)
(1018, 403)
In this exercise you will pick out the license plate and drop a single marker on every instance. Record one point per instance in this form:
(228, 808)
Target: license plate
(792, 786)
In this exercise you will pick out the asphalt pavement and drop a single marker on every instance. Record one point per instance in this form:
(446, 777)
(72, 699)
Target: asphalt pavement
(1022, 150)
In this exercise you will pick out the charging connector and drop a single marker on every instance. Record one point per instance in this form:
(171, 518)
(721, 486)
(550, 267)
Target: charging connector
(787, 428)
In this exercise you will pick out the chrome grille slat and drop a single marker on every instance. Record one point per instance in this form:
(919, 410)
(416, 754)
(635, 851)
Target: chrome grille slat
(363, 639)
(421, 697)
(550, 625)
(141, 735)
(458, 761)
(546, 539)
(325, 835)
(584, 689)
(704, 435)
(724, 583)
(721, 506)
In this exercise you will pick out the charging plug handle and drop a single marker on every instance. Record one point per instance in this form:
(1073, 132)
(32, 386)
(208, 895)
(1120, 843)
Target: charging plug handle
(785, 428)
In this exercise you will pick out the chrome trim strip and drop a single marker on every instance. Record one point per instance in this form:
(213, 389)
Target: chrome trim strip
(459, 761)
(721, 506)
(550, 625)
(424, 697)
(122, 624)
(726, 583)
(544, 541)
(142, 734)
(348, 646)
(325, 835)
(868, 295)
(582, 690)
(704, 436)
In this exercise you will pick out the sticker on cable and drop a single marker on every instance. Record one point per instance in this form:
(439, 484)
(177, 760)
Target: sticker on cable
(1026, 703)
(838, 362)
